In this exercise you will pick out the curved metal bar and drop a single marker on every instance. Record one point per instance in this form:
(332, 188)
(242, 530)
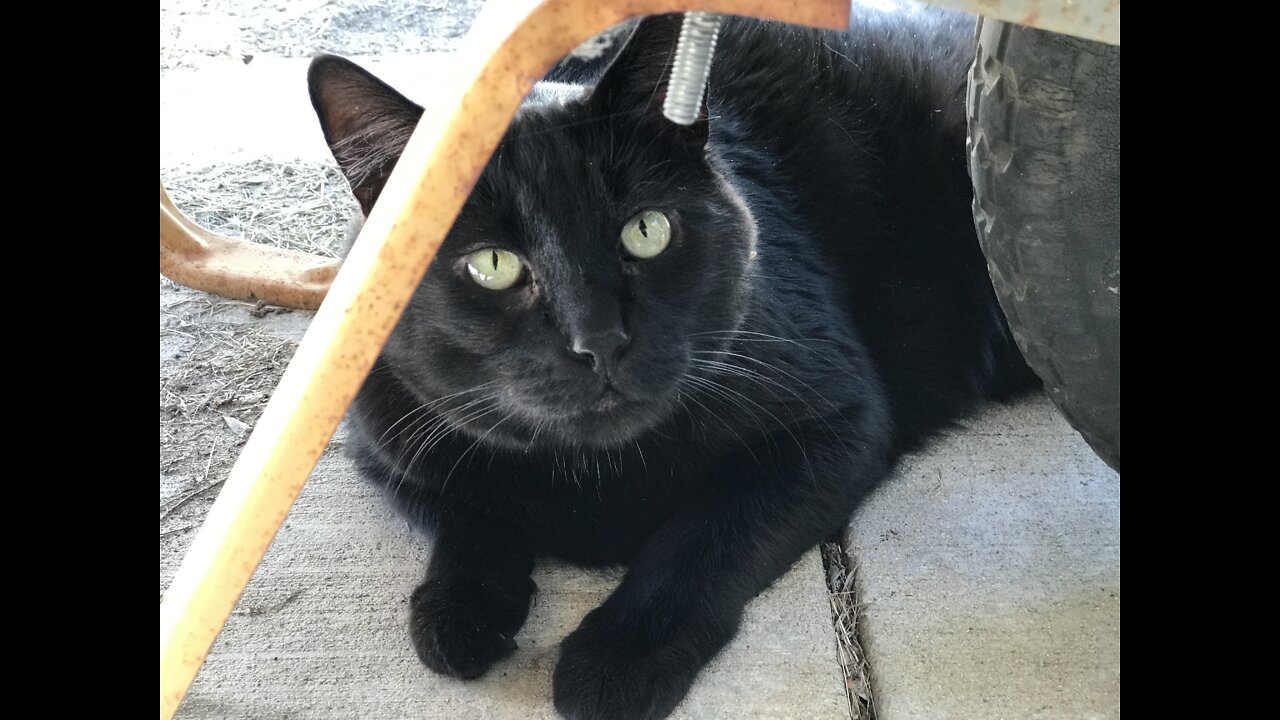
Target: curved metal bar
(510, 48)
(207, 261)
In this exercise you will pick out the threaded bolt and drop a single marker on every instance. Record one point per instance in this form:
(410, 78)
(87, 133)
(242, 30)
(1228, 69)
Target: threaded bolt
(691, 67)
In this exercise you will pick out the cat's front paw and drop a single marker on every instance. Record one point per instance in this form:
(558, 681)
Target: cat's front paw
(601, 674)
(460, 627)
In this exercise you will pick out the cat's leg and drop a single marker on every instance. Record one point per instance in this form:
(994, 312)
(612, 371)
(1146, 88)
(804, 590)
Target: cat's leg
(681, 601)
(475, 597)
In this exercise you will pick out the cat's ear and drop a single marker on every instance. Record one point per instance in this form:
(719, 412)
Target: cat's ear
(636, 80)
(365, 121)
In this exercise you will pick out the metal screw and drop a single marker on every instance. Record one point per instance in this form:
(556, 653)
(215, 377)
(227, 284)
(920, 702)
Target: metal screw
(691, 67)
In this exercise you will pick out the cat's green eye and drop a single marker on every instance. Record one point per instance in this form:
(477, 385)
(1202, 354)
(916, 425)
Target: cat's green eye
(646, 235)
(494, 269)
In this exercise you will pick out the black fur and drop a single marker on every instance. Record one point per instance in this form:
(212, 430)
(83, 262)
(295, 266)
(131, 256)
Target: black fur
(822, 308)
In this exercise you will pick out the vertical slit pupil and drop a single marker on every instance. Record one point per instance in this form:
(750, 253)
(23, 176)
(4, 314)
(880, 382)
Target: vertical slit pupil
(644, 229)
(495, 260)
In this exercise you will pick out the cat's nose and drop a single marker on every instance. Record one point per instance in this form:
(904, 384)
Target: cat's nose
(601, 349)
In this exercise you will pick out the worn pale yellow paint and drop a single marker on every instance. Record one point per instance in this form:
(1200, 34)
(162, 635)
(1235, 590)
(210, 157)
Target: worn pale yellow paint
(198, 258)
(505, 54)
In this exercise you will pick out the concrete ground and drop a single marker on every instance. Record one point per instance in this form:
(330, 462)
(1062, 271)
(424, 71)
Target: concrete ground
(990, 572)
(988, 568)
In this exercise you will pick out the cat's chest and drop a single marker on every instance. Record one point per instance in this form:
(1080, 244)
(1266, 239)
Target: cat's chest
(588, 507)
(652, 473)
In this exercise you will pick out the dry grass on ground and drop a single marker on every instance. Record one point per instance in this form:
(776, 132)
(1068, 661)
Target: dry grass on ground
(845, 614)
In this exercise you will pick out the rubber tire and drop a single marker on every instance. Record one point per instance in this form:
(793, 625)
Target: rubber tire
(1044, 155)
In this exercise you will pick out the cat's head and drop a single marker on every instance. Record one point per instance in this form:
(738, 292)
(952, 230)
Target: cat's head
(598, 249)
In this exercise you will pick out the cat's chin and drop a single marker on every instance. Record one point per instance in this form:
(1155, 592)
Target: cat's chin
(611, 423)
(607, 429)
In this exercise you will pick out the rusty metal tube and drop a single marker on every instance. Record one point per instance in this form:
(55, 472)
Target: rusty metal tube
(508, 50)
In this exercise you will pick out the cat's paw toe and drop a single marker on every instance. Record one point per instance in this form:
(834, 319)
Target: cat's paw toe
(601, 676)
(457, 631)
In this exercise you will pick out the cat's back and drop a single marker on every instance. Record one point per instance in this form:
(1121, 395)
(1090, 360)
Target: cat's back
(899, 56)
(852, 146)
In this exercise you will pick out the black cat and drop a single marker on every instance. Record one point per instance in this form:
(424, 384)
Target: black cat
(690, 350)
